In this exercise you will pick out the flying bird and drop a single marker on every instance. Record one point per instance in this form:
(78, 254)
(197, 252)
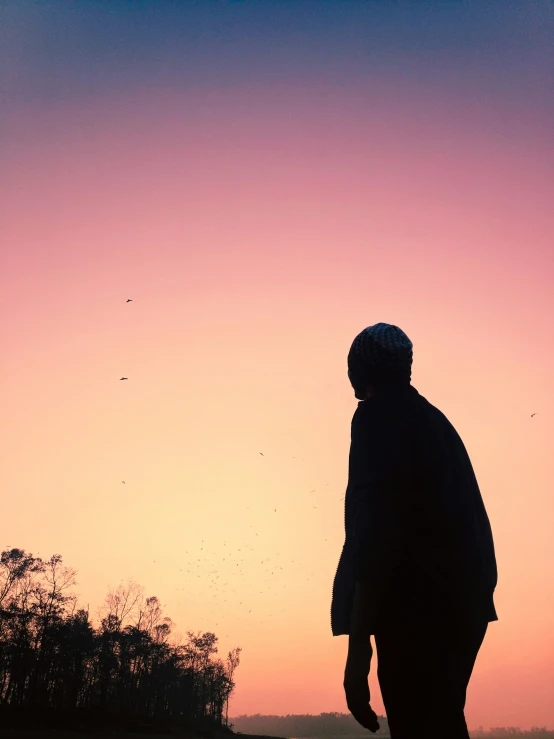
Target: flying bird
(123, 481)
(129, 300)
(123, 378)
(262, 454)
(533, 414)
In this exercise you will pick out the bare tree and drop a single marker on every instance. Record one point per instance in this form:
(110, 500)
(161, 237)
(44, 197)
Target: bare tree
(233, 661)
(121, 603)
(14, 565)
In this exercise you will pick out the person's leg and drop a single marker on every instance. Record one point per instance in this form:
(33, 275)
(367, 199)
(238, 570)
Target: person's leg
(402, 667)
(423, 674)
(460, 646)
(470, 640)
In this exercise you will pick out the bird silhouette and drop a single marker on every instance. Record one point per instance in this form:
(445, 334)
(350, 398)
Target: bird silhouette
(262, 454)
(123, 378)
(123, 481)
(533, 414)
(129, 300)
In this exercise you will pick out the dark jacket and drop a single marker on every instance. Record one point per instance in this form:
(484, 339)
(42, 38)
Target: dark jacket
(416, 527)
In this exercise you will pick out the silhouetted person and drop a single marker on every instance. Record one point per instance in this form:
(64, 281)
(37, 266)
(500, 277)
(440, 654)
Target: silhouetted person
(418, 568)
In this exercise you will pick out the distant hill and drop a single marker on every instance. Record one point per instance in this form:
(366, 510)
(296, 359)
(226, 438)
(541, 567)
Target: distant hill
(300, 726)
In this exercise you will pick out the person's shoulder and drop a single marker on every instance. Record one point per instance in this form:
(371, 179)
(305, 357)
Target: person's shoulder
(431, 419)
(434, 412)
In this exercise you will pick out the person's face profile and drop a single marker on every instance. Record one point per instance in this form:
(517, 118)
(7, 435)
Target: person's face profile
(359, 391)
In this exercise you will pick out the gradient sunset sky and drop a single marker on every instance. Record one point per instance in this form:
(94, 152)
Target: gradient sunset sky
(264, 180)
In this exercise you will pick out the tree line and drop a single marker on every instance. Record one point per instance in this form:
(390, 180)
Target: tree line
(52, 656)
(331, 725)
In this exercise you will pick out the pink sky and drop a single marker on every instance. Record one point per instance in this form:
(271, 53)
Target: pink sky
(257, 232)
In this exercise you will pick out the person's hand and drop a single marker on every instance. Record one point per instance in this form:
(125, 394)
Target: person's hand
(356, 686)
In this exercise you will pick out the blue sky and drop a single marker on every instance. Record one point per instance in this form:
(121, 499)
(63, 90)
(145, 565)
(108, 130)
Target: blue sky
(61, 49)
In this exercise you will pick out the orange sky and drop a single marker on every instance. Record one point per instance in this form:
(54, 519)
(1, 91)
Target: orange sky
(257, 231)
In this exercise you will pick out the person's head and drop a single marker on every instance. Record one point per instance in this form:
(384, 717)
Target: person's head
(380, 356)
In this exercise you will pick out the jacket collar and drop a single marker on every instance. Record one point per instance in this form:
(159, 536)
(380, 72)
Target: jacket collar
(392, 390)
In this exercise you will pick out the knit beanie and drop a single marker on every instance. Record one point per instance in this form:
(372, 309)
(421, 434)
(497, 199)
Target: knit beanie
(380, 355)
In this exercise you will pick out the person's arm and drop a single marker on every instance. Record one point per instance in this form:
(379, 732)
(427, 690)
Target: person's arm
(359, 632)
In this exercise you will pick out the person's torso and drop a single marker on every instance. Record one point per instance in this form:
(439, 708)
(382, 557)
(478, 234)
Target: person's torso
(447, 553)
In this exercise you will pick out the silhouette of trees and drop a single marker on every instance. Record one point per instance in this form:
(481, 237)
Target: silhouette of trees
(53, 657)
